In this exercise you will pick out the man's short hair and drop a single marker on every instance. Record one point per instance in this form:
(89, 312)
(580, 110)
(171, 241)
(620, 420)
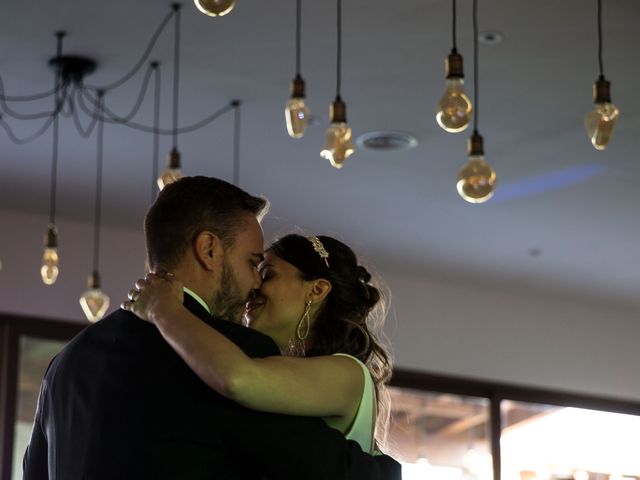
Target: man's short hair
(190, 206)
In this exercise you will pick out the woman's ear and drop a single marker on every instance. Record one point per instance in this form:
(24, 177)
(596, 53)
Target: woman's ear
(320, 288)
(208, 250)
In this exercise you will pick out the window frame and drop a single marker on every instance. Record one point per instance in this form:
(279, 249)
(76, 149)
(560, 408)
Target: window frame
(12, 328)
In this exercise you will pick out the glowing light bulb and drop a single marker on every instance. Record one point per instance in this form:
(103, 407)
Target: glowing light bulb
(338, 146)
(296, 112)
(49, 270)
(476, 179)
(94, 302)
(173, 171)
(215, 8)
(600, 121)
(454, 108)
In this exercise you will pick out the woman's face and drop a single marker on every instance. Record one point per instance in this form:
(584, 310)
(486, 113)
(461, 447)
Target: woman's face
(279, 306)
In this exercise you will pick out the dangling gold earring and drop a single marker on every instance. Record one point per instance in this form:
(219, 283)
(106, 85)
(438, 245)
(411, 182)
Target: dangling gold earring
(305, 322)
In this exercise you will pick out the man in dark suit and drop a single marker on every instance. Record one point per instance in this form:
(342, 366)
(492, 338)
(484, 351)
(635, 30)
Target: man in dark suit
(119, 403)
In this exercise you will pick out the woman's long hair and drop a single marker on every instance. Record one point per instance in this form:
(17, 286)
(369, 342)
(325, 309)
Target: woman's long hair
(351, 319)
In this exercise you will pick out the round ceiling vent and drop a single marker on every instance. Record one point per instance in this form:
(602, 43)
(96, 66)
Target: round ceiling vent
(491, 37)
(386, 141)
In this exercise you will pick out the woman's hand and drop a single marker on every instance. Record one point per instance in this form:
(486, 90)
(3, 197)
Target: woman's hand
(155, 297)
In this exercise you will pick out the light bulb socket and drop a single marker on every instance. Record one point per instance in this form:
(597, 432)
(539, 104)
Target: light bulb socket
(297, 87)
(453, 65)
(338, 111)
(51, 237)
(93, 281)
(475, 145)
(173, 159)
(602, 90)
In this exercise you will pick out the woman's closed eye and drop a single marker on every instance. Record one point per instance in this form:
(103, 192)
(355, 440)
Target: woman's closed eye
(266, 274)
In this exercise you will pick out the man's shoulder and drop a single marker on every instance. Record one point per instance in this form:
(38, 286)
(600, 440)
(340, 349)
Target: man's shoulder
(252, 342)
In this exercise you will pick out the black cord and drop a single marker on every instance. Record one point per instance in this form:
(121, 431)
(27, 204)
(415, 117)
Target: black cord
(156, 123)
(476, 101)
(84, 133)
(176, 73)
(25, 98)
(600, 63)
(22, 116)
(142, 60)
(298, 28)
(23, 141)
(110, 117)
(339, 56)
(236, 142)
(453, 30)
(98, 201)
(54, 156)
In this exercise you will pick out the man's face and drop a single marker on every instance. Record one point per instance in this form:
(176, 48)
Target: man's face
(239, 275)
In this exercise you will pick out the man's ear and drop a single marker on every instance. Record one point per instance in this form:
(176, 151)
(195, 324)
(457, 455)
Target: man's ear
(208, 250)
(320, 288)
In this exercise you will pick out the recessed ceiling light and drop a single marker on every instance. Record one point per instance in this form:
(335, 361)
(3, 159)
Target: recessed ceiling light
(490, 37)
(386, 141)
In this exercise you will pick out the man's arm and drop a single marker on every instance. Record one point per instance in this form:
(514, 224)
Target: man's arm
(288, 447)
(35, 461)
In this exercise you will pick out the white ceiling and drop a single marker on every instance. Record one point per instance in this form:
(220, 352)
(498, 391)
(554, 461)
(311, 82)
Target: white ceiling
(564, 216)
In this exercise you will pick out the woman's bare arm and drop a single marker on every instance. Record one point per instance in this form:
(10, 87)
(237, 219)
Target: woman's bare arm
(314, 386)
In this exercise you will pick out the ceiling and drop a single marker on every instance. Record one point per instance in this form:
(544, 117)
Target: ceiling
(564, 216)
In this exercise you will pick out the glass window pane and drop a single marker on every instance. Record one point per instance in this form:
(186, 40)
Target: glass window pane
(440, 436)
(34, 357)
(543, 442)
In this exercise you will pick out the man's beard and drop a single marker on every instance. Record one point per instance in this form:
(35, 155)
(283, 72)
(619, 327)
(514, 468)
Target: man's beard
(229, 304)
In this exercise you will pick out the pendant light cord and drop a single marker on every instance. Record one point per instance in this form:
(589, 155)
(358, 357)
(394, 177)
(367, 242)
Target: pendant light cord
(453, 29)
(54, 154)
(600, 63)
(236, 142)
(156, 125)
(476, 101)
(98, 203)
(176, 72)
(298, 28)
(339, 53)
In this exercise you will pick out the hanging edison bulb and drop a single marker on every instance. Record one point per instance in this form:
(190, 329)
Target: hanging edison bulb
(476, 179)
(600, 121)
(215, 8)
(94, 302)
(173, 171)
(454, 108)
(296, 112)
(49, 270)
(338, 146)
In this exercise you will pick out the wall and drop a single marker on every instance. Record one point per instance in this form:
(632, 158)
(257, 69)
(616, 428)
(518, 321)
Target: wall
(440, 325)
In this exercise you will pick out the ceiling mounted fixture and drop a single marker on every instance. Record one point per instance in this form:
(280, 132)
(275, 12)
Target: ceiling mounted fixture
(476, 179)
(386, 141)
(600, 121)
(296, 112)
(338, 146)
(84, 105)
(454, 108)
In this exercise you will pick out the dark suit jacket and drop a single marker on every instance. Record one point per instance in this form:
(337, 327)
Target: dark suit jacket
(119, 403)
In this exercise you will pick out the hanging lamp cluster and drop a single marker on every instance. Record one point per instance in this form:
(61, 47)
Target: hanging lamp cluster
(338, 145)
(73, 97)
(476, 179)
